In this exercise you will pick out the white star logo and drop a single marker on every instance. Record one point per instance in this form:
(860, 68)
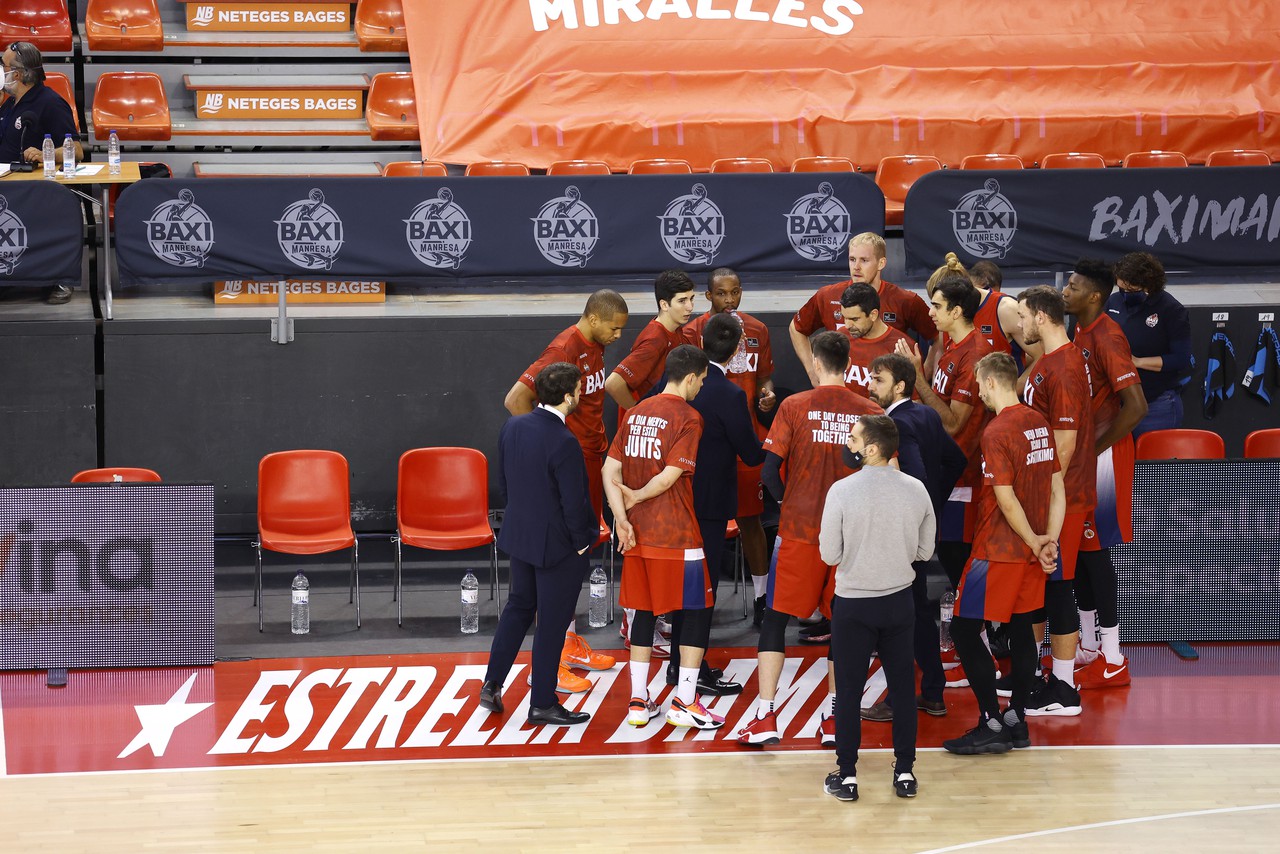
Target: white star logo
(159, 722)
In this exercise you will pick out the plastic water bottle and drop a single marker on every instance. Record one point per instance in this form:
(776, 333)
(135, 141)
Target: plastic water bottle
(470, 604)
(740, 364)
(598, 610)
(113, 154)
(68, 156)
(50, 165)
(945, 643)
(301, 611)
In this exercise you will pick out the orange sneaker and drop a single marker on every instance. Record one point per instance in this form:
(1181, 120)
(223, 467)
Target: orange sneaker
(578, 653)
(567, 682)
(1101, 674)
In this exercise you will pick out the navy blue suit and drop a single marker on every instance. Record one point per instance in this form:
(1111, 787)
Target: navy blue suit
(548, 520)
(928, 454)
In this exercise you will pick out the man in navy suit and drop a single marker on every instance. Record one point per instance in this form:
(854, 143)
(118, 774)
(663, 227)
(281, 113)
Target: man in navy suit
(548, 527)
(727, 436)
(929, 454)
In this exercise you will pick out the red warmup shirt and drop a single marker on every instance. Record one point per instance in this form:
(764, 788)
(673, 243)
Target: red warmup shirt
(809, 432)
(987, 322)
(954, 379)
(1017, 451)
(644, 365)
(1106, 352)
(587, 421)
(1059, 389)
(864, 351)
(657, 432)
(759, 354)
(903, 310)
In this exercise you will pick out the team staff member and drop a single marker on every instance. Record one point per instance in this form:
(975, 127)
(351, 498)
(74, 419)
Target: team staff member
(649, 482)
(874, 526)
(901, 309)
(1118, 406)
(1058, 387)
(869, 335)
(1159, 332)
(48, 112)
(642, 368)
(548, 527)
(808, 434)
(1015, 545)
(581, 345)
(752, 371)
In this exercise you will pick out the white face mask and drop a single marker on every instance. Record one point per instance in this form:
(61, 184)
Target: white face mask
(11, 80)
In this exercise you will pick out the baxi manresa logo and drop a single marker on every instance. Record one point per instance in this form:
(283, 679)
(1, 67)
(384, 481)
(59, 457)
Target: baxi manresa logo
(818, 225)
(310, 232)
(13, 239)
(180, 232)
(566, 230)
(439, 231)
(985, 221)
(692, 227)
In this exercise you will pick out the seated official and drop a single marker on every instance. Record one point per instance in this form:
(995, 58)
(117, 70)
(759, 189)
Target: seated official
(32, 109)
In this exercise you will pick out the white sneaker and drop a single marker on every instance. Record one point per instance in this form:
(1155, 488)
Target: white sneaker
(640, 711)
(693, 715)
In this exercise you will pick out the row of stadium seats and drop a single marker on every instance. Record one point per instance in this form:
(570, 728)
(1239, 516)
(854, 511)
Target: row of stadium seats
(132, 26)
(1185, 444)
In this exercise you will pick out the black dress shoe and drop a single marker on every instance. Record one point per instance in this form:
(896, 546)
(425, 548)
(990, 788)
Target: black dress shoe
(491, 697)
(556, 715)
(717, 687)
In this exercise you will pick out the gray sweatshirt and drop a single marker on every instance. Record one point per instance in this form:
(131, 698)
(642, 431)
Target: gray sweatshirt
(875, 523)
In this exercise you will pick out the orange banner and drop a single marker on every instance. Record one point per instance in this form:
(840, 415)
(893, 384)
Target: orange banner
(247, 17)
(214, 103)
(297, 292)
(618, 80)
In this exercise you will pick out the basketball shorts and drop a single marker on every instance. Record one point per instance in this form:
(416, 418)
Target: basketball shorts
(1069, 545)
(750, 492)
(990, 590)
(663, 580)
(1112, 521)
(799, 582)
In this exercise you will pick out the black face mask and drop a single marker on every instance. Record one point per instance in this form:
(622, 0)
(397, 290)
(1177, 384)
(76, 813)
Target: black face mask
(853, 459)
(1134, 297)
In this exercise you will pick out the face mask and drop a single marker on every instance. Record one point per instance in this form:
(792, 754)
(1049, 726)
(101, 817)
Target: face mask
(10, 81)
(1134, 297)
(853, 459)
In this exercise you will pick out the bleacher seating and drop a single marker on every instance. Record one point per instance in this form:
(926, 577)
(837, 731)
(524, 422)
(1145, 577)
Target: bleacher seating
(415, 169)
(44, 23)
(660, 166)
(1156, 159)
(392, 112)
(894, 177)
(1238, 157)
(579, 167)
(490, 168)
(1180, 444)
(133, 104)
(379, 26)
(741, 164)
(123, 25)
(1073, 160)
(823, 164)
(61, 84)
(992, 161)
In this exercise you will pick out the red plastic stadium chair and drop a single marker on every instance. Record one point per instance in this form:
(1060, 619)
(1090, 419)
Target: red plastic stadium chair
(304, 508)
(1161, 159)
(133, 104)
(1262, 443)
(741, 164)
(61, 84)
(823, 164)
(992, 161)
(1180, 444)
(123, 25)
(660, 166)
(415, 169)
(379, 26)
(579, 167)
(488, 168)
(116, 474)
(1073, 160)
(44, 23)
(392, 112)
(442, 503)
(1238, 157)
(894, 177)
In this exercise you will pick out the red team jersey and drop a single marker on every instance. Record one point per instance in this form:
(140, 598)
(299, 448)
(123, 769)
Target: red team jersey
(657, 432)
(1106, 351)
(901, 309)
(954, 379)
(587, 421)
(1059, 389)
(987, 322)
(1017, 451)
(809, 432)
(862, 352)
(644, 365)
(759, 354)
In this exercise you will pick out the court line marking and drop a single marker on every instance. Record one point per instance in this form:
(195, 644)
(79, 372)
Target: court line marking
(692, 754)
(1116, 823)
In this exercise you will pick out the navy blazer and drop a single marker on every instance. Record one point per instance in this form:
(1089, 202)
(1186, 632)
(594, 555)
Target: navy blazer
(543, 478)
(727, 436)
(926, 452)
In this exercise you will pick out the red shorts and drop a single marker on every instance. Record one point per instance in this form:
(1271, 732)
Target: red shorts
(799, 581)
(997, 591)
(750, 492)
(595, 480)
(1069, 545)
(662, 580)
(1112, 521)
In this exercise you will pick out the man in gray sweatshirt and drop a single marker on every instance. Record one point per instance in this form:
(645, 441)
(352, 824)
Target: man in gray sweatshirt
(874, 525)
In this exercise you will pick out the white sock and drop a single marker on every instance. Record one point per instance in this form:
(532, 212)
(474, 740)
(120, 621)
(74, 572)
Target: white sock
(1089, 630)
(764, 708)
(1065, 670)
(631, 615)
(831, 707)
(1111, 643)
(640, 679)
(760, 583)
(573, 628)
(687, 686)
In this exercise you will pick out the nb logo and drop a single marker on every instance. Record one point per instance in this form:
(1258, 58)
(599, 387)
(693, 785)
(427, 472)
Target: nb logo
(212, 102)
(203, 16)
